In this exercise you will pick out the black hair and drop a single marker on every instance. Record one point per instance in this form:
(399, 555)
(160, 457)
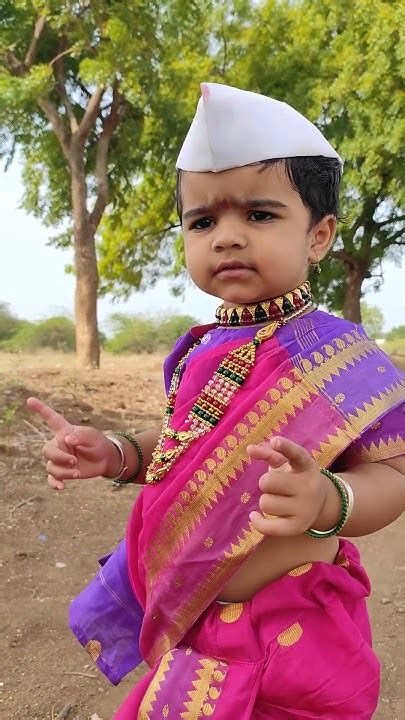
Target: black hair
(316, 179)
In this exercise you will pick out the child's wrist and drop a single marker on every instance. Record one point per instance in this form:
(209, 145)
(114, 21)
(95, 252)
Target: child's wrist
(113, 460)
(331, 510)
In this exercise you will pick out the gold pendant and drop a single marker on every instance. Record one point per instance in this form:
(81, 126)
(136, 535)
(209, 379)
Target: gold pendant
(267, 332)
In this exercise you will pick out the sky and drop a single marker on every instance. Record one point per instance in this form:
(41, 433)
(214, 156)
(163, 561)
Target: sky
(33, 281)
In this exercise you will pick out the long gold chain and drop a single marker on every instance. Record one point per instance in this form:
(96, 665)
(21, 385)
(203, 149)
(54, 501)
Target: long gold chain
(212, 401)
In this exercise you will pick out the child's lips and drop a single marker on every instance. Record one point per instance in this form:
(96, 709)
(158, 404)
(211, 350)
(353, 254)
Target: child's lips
(235, 269)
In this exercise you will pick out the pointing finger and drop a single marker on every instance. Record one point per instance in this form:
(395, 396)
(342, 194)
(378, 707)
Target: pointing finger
(54, 420)
(299, 459)
(267, 453)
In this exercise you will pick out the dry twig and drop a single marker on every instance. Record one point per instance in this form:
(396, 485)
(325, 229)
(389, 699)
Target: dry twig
(35, 429)
(82, 674)
(27, 501)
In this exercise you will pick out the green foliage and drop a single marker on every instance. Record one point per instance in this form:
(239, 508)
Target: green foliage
(143, 334)
(372, 319)
(9, 323)
(57, 333)
(340, 62)
(396, 333)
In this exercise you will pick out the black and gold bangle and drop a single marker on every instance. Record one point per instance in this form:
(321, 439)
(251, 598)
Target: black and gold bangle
(345, 513)
(136, 445)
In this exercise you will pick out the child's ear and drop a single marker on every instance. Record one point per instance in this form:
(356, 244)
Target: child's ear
(322, 237)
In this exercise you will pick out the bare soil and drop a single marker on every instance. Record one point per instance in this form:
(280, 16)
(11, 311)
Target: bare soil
(51, 542)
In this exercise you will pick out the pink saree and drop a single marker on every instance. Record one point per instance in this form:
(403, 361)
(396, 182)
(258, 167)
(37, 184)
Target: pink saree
(301, 647)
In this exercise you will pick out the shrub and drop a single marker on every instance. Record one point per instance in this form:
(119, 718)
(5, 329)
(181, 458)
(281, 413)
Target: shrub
(9, 323)
(396, 333)
(137, 334)
(56, 333)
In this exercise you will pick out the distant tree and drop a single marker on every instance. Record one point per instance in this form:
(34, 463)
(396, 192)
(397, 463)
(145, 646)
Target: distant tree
(396, 333)
(143, 333)
(56, 333)
(9, 323)
(372, 319)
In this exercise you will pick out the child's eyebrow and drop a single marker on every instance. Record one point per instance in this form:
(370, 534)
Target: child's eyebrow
(208, 208)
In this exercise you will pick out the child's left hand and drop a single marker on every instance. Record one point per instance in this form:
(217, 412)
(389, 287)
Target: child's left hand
(294, 490)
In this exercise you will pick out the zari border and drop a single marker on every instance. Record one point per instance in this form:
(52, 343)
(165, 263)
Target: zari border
(384, 450)
(266, 417)
(200, 694)
(205, 689)
(151, 693)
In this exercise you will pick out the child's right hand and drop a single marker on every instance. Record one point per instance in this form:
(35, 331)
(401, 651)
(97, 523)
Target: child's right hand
(75, 451)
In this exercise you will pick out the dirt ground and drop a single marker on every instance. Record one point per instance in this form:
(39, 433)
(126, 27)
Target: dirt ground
(51, 542)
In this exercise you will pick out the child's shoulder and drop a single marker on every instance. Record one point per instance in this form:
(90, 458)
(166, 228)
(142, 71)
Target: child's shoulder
(329, 320)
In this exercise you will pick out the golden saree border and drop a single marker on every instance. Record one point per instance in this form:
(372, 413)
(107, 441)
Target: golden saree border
(155, 686)
(266, 418)
(205, 689)
(383, 450)
(200, 694)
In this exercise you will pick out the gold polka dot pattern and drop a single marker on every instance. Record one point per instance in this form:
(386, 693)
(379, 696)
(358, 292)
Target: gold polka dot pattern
(93, 647)
(231, 613)
(290, 636)
(300, 570)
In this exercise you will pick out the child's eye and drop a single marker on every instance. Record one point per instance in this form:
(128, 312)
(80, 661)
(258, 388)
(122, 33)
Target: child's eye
(261, 215)
(201, 224)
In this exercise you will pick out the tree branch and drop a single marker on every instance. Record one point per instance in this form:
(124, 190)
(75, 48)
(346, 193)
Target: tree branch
(391, 239)
(110, 123)
(32, 50)
(89, 117)
(343, 255)
(15, 65)
(59, 74)
(50, 110)
(61, 55)
(391, 221)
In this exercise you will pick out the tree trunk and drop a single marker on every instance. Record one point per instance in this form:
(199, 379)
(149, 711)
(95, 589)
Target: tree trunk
(355, 275)
(87, 280)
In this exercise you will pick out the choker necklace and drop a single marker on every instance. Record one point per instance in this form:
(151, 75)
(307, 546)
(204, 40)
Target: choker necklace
(273, 310)
(213, 400)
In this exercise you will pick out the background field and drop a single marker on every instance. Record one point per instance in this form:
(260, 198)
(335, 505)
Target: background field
(51, 541)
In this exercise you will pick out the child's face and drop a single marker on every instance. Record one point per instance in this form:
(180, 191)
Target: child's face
(254, 219)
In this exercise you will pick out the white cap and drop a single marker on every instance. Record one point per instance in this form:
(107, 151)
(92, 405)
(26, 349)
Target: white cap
(233, 127)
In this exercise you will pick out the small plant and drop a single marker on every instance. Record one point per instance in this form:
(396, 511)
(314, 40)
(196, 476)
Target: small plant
(7, 418)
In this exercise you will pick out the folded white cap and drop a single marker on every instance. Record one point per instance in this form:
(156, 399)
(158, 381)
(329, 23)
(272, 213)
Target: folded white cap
(233, 127)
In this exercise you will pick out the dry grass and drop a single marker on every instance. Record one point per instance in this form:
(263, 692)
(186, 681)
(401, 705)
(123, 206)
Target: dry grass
(52, 360)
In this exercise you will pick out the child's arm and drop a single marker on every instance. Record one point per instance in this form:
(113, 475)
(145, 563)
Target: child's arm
(78, 451)
(379, 491)
(148, 440)
(297, 496)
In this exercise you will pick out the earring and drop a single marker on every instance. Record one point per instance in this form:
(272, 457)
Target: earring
(316, 265)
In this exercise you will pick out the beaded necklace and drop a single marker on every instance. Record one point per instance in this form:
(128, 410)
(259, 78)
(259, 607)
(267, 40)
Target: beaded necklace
(266, 311)
(218, 393)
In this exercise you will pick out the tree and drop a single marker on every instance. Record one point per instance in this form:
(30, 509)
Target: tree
(372, 319)
(340, 62)
(80, 83)
(396, 333)
(196, 52)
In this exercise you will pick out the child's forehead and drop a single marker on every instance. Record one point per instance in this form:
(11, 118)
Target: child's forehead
(234, 186)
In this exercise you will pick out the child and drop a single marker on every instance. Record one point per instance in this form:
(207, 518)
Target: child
(245, 601)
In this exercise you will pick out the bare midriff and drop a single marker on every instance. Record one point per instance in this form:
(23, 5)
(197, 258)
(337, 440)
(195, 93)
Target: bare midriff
(272, 559)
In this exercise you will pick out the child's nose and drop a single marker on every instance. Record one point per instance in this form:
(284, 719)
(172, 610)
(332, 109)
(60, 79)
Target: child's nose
(229, 233)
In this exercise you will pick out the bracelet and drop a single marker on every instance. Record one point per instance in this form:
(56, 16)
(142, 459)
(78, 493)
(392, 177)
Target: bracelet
(139, 453)
(347, 497)
(123, 467)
